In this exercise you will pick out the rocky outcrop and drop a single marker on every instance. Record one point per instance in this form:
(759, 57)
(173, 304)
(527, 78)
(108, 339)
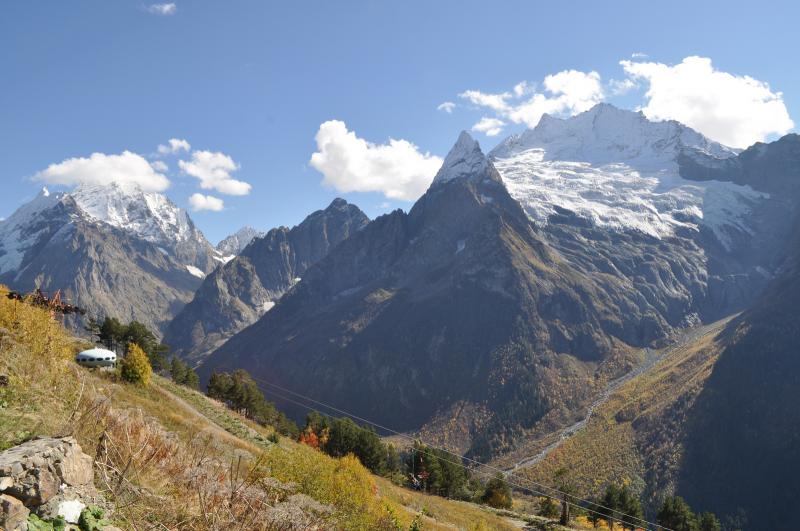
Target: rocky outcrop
(13, 513)
(235, 295)
(47, 476)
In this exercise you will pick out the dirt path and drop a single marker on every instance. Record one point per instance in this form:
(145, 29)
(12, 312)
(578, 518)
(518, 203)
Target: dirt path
(651, 358)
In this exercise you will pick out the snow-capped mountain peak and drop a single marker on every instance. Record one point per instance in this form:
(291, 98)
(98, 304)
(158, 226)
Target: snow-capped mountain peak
(236, 242)
(606, 134)
(465, 159)
(147, 216)
(620, 170)
(151, 216)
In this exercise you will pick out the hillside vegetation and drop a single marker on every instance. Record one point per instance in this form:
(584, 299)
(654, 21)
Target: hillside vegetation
(636, 437)
(169, 455)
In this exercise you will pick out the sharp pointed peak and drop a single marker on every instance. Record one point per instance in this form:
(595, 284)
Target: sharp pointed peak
(337, 204)
(465, 159)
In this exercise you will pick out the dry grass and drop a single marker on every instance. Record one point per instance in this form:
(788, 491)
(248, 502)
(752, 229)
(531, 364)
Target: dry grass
(170, 458)
(635, 437)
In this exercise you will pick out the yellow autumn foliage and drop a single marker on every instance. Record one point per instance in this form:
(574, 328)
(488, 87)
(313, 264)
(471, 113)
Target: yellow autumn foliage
(135, 367)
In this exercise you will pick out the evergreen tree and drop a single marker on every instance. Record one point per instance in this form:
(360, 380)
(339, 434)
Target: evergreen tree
(708, 522)
(630, 509)
(182, 374)
(548, 508)
(240, 392)
(676, 515)
(192, 379)
(111, 333)
(177, 370)
(610, 504)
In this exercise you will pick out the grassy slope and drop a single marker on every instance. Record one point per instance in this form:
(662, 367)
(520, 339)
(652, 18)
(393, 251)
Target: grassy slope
(170, 455)
(636, 436)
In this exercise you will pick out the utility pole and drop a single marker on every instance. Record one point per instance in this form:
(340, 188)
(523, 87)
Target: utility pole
(564, 510)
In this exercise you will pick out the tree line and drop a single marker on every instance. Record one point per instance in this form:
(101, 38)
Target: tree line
(240, 393)
(619, 506)
(420, 467)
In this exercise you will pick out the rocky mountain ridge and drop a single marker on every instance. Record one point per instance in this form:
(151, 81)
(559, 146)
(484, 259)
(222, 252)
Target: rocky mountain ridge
(466, 311)
(236, 294)
(113, 250)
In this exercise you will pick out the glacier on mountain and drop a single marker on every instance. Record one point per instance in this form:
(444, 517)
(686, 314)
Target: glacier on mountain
(620, 171)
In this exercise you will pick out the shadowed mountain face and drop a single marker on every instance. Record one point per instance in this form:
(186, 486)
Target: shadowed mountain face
(499, 304)
(457, 306)
(236, 294)
(743, 443)
(716, 420)
(114, 251)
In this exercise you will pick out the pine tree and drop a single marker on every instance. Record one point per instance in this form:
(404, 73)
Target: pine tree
(676, 514)
(709, 522)
(548, 508)
(630, 508)
(610, 503)
(177, 370)
(135, 367)
(192, 379)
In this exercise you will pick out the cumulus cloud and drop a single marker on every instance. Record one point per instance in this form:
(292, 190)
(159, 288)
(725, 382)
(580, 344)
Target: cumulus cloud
(620, 87)
(567, 92)
(174, 145)
(162, 9)
(397, 169)
(213, 170)
(100, 168)
(200, 202)
(490, 126)
(446, 106)
(160, 166)
(732, 109)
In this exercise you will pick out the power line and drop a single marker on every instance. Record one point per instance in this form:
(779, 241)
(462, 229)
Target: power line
(473, 461)
(517, 485)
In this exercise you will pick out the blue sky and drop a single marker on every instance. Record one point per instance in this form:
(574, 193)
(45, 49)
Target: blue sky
(249, 84)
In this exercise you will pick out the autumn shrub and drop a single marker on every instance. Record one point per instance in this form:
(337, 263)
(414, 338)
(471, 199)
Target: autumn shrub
(343, 483)
(135, 366)
(497, 493)
(35, 358)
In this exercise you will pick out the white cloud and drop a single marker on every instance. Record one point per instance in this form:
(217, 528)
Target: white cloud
(162, 9)
(522, 88)
(447, 107)
(638, 55)
(735, 110)
(567, 92)
(397, 169)
(174, 146)
(621, 87)
(200, 202)
(489, 126)
(100, 168)
(496, 102)
(214, 169)
(160, 166)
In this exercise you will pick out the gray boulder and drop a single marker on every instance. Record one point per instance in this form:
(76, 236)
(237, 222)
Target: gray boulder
(35, 471)
(13, 513)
